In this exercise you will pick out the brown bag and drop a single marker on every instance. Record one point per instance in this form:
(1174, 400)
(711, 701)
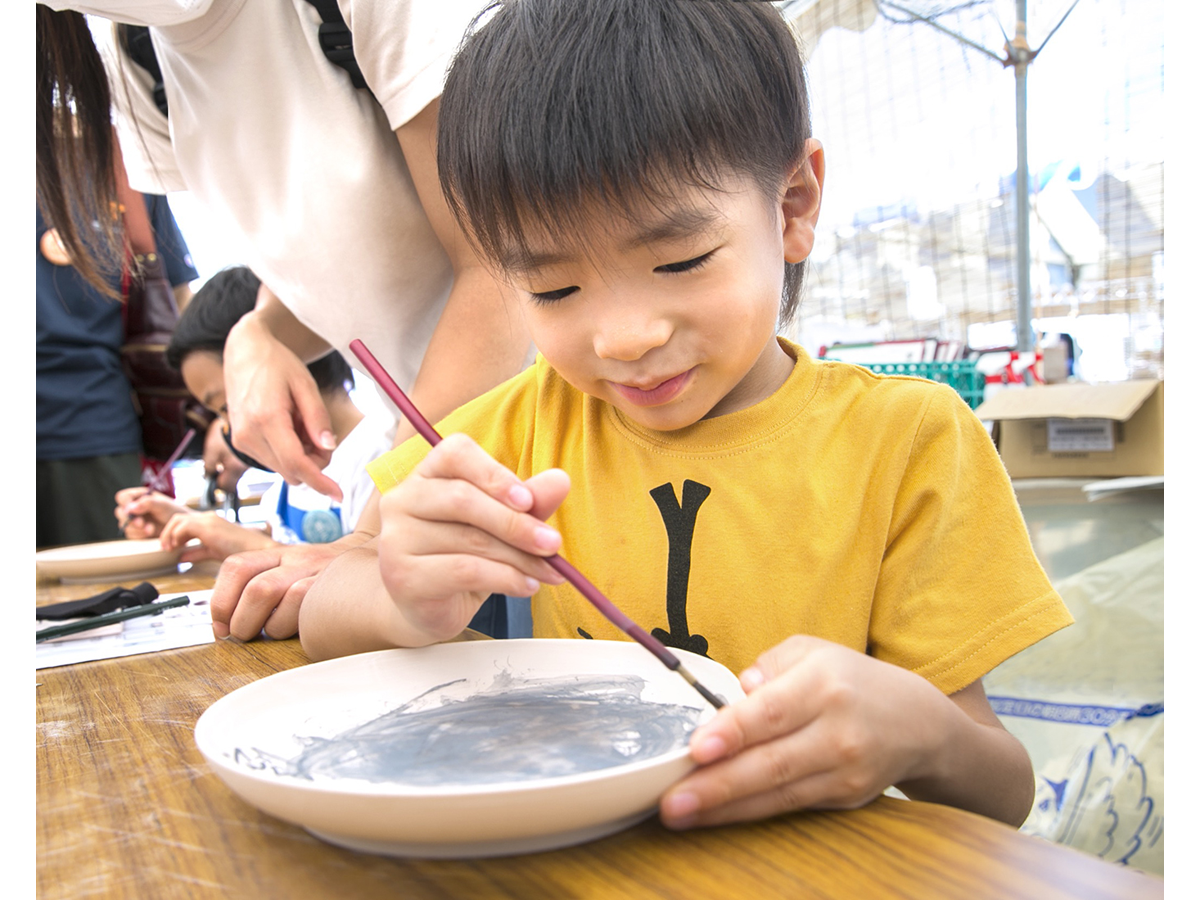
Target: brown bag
(165, 407)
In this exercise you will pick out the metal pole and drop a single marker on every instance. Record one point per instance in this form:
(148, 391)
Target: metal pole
(1020, 56)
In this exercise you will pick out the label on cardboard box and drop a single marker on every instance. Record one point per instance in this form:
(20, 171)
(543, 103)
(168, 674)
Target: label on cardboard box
(1080, 435)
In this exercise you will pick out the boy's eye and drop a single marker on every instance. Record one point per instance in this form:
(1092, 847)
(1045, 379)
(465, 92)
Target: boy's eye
(552, 296)
(685, 265)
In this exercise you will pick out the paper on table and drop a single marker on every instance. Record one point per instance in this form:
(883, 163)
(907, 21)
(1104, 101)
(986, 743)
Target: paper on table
(184, 626)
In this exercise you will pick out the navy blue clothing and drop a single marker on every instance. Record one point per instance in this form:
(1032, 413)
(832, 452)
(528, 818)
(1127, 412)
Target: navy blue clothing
(84, 408)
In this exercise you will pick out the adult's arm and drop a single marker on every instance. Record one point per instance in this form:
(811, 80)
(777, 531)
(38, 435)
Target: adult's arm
(276, 414)
(480, 340)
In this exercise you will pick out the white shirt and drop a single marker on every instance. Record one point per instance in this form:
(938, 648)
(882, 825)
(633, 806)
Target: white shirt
(276, 142)
(370, 438)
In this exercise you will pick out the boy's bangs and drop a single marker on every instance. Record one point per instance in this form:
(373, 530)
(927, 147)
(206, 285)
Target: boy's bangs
(570, 220)
(555, 109)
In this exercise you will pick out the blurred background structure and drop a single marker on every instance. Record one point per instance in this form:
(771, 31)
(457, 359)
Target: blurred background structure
(918, 115)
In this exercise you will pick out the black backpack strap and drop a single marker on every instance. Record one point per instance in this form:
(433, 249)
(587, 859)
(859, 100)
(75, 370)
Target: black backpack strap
(136, 39)
(333, 35)
(336, 41)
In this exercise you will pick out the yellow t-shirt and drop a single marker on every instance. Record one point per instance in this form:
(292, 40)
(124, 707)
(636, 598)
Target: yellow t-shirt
(871, 511)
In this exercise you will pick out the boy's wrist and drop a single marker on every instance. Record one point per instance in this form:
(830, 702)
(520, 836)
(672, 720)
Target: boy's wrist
(938, 729)
(432, 622)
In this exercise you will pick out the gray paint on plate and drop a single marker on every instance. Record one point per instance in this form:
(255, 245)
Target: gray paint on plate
(516, 730)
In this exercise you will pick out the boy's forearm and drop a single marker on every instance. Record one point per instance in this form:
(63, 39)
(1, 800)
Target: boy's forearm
(348, 610)
(978, 766)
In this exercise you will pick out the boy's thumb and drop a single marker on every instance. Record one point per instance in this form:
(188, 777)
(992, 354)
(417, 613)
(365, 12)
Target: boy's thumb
(774, 662)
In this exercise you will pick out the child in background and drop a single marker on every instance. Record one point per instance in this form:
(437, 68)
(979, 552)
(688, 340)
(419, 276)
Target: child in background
(643, 173)
(296, 512)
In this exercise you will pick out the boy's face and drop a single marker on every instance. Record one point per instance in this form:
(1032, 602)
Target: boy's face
(204, 376)
(671, 319)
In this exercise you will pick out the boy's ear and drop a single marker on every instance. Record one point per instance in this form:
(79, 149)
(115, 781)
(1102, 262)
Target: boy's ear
(802, 202)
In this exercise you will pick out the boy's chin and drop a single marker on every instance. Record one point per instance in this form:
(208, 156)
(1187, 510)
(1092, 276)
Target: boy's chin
(666, 418)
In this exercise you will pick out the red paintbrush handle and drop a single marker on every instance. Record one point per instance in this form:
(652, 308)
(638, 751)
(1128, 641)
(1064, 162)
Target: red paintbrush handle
(397, 396)
(610, 611)
(590, 592)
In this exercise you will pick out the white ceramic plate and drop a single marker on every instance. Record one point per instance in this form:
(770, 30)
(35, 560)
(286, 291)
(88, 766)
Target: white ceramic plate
(107, 561)
(325, 746)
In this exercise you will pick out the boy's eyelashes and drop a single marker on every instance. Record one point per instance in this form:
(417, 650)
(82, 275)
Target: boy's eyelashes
(546, 297)
(694, 263)
(687, 265)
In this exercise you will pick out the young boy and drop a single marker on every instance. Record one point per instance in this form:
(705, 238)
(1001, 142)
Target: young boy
(642, 172)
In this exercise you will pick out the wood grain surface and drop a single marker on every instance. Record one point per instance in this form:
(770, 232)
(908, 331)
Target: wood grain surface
(127, 807)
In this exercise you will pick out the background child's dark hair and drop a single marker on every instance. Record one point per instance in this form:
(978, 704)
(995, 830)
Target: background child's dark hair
(222, 300)
(551, 104)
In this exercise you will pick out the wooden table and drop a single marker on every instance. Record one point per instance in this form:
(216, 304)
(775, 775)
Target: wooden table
(127, 807)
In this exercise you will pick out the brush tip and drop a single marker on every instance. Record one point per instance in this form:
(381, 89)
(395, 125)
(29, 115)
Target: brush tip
(704, 692)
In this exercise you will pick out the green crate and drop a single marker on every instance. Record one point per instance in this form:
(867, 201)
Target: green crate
(960, 374)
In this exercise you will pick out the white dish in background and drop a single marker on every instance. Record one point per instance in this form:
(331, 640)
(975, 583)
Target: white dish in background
(297, 744)
(107, 561)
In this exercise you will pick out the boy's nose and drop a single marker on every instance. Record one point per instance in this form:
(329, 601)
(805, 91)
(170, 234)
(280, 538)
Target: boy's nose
(630, 337)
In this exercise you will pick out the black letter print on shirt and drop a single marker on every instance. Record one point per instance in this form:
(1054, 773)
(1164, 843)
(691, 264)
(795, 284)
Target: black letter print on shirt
(681, 524)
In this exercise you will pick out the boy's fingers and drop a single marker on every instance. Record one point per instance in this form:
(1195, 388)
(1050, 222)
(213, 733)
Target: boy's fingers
(684, 808)
(549, 489)
(459, 457)
(443, 541)
(782, 704)
(779, 659)
(250, 585)
(452, 539)
(284, 621)
(233, 580)
(810, 767)
(458, 483)
(468, 573)
(478, 521)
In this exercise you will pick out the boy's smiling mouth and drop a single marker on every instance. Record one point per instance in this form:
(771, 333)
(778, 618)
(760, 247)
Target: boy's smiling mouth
(654, 393)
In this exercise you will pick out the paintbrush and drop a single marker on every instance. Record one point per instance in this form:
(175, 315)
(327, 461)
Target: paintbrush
(159, 481)
(120, 615)
(590, 592)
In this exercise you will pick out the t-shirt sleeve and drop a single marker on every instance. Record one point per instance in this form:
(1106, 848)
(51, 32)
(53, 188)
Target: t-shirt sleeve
(169, 242)
(960, 589)
(392, 467)
(404, 49)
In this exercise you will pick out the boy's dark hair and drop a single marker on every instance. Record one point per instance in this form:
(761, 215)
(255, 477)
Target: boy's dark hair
(221, 301)
(552, 104)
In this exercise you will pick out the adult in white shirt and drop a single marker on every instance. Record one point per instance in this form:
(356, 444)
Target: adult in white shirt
(335, 192)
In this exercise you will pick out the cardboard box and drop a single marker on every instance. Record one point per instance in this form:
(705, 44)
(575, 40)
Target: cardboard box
(1072, 430)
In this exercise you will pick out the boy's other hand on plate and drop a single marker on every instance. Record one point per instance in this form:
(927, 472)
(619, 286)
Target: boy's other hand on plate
(822, 726)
